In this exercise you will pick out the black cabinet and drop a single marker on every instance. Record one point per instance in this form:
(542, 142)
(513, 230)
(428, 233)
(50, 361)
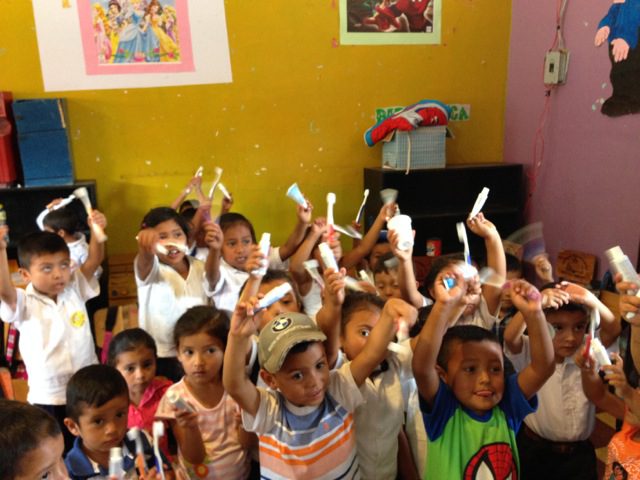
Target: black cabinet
(24, 204)
(437, 198)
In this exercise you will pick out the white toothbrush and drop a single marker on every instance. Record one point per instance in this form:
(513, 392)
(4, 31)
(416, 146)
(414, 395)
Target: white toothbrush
(361, 209)
(135, 435)
(162, 248)
(462, 237)
(158, 432)
(83, 195)
(480, 201)
(311, 266)
(349, 231)
(224, 191)
(331, 200)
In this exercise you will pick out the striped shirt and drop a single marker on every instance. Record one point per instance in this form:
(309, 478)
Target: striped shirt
(308, 442)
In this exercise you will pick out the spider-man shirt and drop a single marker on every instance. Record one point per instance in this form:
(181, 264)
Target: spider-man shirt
(463, 445)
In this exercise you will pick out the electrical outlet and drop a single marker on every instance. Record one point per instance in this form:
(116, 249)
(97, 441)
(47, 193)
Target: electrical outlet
(556, 64)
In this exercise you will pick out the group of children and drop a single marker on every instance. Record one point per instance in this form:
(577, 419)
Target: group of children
(461, 379)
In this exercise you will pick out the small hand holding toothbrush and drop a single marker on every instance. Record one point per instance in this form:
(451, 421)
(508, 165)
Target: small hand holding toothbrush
(83, 195)
(331, 200)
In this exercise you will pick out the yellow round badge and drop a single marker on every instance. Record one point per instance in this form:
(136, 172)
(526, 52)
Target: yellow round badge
(78, 318)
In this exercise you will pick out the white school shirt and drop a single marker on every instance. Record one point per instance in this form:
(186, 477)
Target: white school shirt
(78, 250)
(312, 301)
(55, 337)
(564, 413)
(164, 296)
(380, 418)
(227, 290)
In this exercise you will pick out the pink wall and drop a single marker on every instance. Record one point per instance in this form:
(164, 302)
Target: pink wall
(588, 193)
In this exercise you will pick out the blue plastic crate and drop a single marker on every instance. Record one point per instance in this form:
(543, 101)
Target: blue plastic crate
(420, 148)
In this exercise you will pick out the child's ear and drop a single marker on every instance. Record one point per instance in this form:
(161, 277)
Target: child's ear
(26, 276)
(269, 379)
(61, 233)
(442, 373)
(72, 426)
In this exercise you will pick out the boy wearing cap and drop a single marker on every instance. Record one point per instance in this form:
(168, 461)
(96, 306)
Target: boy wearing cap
(305, 423)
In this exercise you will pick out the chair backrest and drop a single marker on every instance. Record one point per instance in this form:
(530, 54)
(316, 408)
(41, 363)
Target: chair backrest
(577, 267)
(111, 320)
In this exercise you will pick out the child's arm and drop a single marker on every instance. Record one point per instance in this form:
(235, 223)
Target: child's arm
(448, 307)
(147, 239)
(406, 277)
(369, 240)
(188, 435)
(213, 238)
(8, 293)
(252, 265)
(527, 300)
(303, 253)
(496, 259)
(297, 236)
(328, 317)
(374, 351)
(614, 374)
(596, 391)
(95, 256)
(198, 219)
(610, 326)
(194, 182)
(234, 377)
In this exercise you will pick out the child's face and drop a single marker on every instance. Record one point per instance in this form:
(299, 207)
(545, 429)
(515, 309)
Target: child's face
(286, 304)
(376, 252)
(101, 428)
(303, 378)
(387, 284)
(570, 328)
(237, 245)
(170, 232)
(201, 357)
(138, 367)
(49, 273)
(475, 374)
(357, 331)
(44, 461)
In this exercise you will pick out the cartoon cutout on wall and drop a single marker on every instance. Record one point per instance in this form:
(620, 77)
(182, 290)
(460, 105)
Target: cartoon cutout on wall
(619, 29)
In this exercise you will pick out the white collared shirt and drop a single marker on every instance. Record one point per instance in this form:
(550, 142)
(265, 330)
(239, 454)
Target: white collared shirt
(564, 413)
(55, 336)
(164, 296)
(227, 290)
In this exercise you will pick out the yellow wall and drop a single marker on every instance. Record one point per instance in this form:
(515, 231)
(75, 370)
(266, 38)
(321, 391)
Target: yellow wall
(296, 110)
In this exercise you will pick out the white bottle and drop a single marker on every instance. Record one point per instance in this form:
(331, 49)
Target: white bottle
(327, 256)
(621, 264)
(265, 244)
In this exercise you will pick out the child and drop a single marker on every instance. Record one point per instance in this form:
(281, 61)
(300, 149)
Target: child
(471, 412)
(169, 283)
(558, 433)
(385, 277)
(97, 404)
(483, 304)
(305, 421)
(31, 443)
(50, 313)
(211, 443)
(65, 222)
(133, 353)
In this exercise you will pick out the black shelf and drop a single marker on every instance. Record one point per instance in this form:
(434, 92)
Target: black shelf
(437, 198)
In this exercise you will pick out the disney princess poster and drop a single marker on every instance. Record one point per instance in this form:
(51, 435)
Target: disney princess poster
(94, 44)
(390, 22)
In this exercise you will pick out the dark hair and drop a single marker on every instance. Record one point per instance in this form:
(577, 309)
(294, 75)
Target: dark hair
(439, 264)
(300, 347)
(228, 220)
(39, 243)
(63, 219)
(93, 386)
(463, 334)
(423, 314)
(567, 307)
(513, 263)
(128, 341)
(381, 265)
(275, 275)
(158, 215)
(356, 301)
(24, 426)
(202, 318)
